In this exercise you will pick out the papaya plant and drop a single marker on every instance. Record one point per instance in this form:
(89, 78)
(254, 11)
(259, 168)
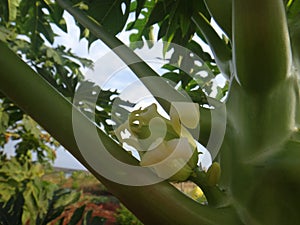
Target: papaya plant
(255, 176)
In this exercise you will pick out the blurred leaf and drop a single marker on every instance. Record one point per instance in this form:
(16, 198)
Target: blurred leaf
(221, 92)
(221, 11)
(197, 49)
(65, 198)
(77, 215)
(293, 9)
(4, 33)
(31, 126)
(11, 211)
(139, 7)
(56, 14)
(220, 49)
(98, 221)
(4, 118)
(12, 9)
(60, 200)
(111, 14)
(9, 9)
(172, 76)
(35, 24)
(51, 53)
(87, 218)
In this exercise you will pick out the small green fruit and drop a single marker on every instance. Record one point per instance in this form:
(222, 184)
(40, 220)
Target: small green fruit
(213, 174)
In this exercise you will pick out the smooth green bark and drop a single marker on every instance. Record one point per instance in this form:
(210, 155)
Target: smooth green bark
(261, 44)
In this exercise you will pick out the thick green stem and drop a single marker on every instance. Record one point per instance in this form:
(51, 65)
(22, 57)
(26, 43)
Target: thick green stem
(262, 106)
(261, 44)
(154, 204)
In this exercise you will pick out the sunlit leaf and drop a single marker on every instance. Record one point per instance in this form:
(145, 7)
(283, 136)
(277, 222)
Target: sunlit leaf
(12, 7)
